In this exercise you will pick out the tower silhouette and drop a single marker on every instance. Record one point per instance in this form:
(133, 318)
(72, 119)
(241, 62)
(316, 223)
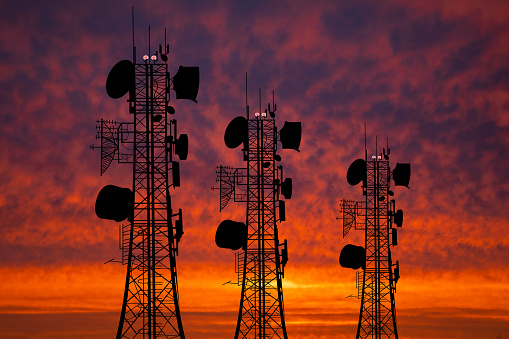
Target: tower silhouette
(376, 215)
(260, 262)
(150, 241)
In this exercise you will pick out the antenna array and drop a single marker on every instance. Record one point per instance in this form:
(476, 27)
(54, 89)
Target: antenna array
(376, 215)
(150, 306)
(262, 257)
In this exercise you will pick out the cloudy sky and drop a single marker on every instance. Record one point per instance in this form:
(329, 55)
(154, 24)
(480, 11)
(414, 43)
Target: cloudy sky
(432, 76)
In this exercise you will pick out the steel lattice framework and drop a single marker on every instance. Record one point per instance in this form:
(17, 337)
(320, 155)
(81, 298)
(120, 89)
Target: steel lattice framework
(377, 281)
(150, 306)
(260, 264)
(261, 307)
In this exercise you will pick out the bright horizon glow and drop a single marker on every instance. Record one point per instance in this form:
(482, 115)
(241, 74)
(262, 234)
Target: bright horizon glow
(431, 76)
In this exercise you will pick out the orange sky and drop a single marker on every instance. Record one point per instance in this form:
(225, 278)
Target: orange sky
(433, 77)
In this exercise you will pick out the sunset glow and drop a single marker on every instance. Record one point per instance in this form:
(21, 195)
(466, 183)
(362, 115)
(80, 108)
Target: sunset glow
(432, 76)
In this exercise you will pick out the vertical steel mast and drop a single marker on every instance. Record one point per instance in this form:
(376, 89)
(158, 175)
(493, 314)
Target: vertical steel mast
(260, 263)
(376, 216)
(150, 306)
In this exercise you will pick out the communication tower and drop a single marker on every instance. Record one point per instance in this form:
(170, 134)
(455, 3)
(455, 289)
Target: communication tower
(262, 257)
(376, 216)
(150, 241)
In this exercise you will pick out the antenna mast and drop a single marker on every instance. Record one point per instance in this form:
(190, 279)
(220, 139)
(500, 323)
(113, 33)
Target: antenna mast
(132, 28)
(247, 106)
(261, 258)
(376, 215)
(150, 240)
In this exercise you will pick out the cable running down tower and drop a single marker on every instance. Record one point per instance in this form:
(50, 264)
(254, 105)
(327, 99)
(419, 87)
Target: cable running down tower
(150, 241)
(262, 257)
(376, 215)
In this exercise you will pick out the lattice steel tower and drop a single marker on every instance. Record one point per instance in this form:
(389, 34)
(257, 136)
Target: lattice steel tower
(260, 264)
(376, 215)
(150, 306)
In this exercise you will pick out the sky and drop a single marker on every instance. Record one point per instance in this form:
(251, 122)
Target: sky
(431, 76)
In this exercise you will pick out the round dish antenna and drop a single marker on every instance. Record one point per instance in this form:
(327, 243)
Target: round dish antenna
(236, 132)
(120, 79)
(356, 172)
